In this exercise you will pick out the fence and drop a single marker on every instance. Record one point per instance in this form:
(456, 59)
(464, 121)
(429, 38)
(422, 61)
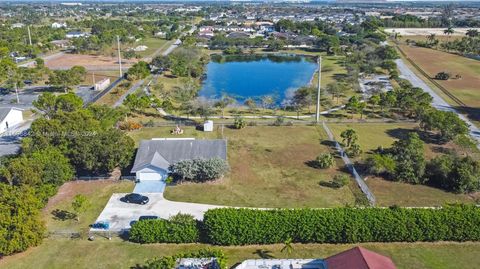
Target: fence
(361, 183)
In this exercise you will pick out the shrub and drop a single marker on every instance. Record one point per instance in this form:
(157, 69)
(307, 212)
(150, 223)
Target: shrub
(324, 160)
(340, 180)
(380, 164)
(279, 121)
(442, 76)
(239, 123)
(232, 226)
(199, 169)
(129, 125)
(181, 228)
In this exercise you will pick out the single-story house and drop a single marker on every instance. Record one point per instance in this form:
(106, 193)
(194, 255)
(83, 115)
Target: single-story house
(155, 156)
(355, 258)
(9, 117)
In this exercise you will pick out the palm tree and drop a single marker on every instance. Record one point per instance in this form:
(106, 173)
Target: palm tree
(432, 38)
(449, 31)
(287, 246)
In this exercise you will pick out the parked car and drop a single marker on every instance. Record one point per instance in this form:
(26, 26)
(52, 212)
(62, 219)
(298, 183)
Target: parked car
(135, 198)
(101, 225)
(147, 217)
(143, 218)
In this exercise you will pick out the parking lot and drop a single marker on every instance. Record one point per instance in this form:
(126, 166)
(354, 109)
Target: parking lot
(119, 214)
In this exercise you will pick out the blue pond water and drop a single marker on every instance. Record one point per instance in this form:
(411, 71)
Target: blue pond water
(244, 76)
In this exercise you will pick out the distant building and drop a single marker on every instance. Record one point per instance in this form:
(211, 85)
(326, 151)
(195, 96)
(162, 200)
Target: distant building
(18, 25)
(57, 25)
(75, 34)
(60, 43)
(102, 84)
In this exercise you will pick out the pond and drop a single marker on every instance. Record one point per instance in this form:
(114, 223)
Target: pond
(253, 76)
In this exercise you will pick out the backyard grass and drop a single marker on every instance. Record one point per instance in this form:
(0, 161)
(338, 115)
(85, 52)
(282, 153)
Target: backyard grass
(102, 253)
(58, 214)
(388, 193)
(269, 168)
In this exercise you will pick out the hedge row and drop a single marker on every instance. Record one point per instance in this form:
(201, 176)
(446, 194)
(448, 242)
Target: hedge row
(230, 226)
(178, 229)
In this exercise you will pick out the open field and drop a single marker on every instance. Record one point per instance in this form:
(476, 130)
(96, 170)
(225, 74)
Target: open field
(113, 96)
(373, 135)
(154, 46)
(426, 31)
(467, 88)
(90, 62)
(269, 168)
(441, 38)
(102, 253)
(58, 213)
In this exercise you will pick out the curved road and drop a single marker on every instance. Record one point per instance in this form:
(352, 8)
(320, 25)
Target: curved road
(438, 102)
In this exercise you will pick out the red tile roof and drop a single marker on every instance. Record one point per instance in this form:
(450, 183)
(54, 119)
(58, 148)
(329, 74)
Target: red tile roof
(359, 258)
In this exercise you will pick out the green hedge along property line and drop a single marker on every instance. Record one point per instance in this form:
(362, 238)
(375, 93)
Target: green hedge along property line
(231, 226)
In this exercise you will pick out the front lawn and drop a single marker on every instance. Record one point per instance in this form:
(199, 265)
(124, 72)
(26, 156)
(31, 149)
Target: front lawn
(101, 253)
(269, 168)
(58, 214)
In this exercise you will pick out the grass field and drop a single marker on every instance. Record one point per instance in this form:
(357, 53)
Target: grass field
(153, 44)
(101, 253)
(268, 169)
(373, 135)
(434, 61)
(58, 213)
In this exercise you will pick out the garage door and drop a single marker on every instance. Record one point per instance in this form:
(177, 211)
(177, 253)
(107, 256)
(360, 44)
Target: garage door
(150, 176)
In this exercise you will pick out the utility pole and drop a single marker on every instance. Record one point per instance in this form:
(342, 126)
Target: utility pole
(119, 56)
(16, 93)
(317, 116)
(29, 35)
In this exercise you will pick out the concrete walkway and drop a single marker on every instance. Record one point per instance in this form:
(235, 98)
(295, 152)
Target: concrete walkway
(438, 102)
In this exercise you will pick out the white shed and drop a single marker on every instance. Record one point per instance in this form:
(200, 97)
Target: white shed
(10, 117)
(208, 126)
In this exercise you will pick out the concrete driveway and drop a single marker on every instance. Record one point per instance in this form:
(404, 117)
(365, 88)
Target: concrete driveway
(120, 214)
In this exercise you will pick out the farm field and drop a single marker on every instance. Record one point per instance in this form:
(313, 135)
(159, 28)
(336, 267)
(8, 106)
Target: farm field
(388, 193)
(102, 253)
(269, 168)
(426, 31)
(434, 61)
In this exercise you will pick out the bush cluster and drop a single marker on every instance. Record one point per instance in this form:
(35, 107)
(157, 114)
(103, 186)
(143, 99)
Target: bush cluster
(178, 229)
(199, 169)
(230, 226)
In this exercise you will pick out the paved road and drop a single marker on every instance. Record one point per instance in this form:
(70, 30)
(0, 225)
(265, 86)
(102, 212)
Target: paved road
(31, 63)
(438, 101)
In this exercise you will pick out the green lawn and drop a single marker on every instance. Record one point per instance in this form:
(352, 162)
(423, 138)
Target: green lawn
(66, 253)
(268, 169)
(97, 192)
(387, 193)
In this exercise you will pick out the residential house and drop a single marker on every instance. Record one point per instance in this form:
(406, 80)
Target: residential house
(10, 117)
(75, 34)
(155, 156)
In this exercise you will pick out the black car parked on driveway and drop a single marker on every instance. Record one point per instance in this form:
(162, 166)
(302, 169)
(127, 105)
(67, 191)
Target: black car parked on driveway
(135, 198)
